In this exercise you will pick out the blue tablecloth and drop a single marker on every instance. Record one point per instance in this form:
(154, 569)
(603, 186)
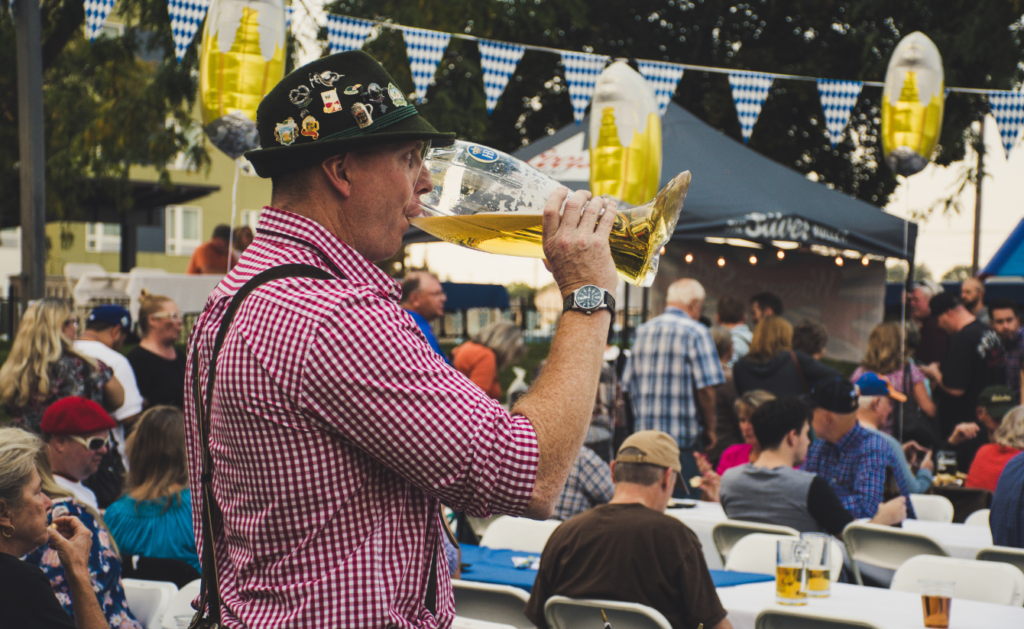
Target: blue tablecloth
(489, 565)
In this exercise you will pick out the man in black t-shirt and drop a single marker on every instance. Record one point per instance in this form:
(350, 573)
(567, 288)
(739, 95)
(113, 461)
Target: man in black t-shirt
(629, 550)
(974, 360)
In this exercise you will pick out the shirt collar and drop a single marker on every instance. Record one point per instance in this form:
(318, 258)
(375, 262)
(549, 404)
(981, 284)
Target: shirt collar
(284, 228)
(677, 312)
(851, 438)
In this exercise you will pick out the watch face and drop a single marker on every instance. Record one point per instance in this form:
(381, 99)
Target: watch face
(589, 297)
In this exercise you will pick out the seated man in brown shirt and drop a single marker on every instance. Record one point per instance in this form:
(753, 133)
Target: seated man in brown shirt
(629, 550)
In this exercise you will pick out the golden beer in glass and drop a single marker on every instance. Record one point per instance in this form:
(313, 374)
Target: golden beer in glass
(819, 547)
(936, 602)
(790, 573)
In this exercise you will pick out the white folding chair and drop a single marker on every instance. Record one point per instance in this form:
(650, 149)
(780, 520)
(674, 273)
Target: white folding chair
(472, 623)
(563, 612)
(757, 553)
(978, 518)
(518, 534)
(932, 508)
(148, 600)
(787, 619)
(1004, 554)
(727, 532)
(495, 603)
(181, 605)
(885, 546)
(985, 581)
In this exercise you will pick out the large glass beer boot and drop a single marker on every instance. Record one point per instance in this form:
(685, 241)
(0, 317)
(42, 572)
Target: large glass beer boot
(487, 200)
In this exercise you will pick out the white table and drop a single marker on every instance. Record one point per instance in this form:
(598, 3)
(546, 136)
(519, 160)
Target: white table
(701, 519)
(885, 609)
(959, 540)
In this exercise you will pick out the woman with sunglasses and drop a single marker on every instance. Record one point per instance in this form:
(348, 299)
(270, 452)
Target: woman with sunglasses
(158, 364)
(26, 597)
(76, 433)
(44, 367)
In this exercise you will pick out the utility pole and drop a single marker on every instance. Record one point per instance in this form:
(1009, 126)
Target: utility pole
(980, 147)
(28, 26)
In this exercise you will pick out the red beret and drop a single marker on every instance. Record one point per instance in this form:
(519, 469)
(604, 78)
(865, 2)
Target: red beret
(75, 416)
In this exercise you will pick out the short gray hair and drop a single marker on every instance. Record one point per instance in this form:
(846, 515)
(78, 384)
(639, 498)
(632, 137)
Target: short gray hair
(685, 291)
(644, 474)
(1010, 432)
(18, 451)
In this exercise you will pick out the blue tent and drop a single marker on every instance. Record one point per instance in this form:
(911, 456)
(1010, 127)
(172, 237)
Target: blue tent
(1009, 260)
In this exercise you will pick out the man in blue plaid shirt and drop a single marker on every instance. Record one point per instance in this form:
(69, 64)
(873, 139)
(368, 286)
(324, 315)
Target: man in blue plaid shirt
(850, 457)
(672, 374)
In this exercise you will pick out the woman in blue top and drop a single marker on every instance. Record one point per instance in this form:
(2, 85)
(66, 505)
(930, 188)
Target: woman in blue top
(154, 517)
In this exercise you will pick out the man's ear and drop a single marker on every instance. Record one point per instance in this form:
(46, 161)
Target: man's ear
(336, 169)
(979, 411)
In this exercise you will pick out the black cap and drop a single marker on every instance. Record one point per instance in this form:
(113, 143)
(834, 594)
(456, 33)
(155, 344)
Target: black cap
(943, 303)
(331, 106)
(835, 395)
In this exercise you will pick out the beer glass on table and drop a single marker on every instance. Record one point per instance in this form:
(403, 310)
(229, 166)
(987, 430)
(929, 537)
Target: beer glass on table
(790, 573)
(819, 564)
(936, 599)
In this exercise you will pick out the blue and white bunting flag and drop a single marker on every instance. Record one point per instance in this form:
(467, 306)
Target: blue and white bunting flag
(347, 33)
(663, 79)
(838, 99)
(424, 49)
(498, 60)
(186, 18)
(581, 72)
(1008, 109)
(749, 89)
(96, 12)
(289, 13)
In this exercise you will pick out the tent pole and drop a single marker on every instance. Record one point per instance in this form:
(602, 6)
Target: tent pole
(980, 147)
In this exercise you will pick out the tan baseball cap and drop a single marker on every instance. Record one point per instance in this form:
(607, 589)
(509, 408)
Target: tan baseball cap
(656, 448)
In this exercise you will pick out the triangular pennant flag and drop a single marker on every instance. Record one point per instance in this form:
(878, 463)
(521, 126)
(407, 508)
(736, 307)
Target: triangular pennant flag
(1008, 109)
(498, 61)
(186, 16)
(663, 79)
(838, 99)
(581, 70)
(96, 12)
(289, 13)
(749, 89)
(347, 33)
(425, 49)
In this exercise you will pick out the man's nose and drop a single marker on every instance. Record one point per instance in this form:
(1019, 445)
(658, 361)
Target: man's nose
(424, 183)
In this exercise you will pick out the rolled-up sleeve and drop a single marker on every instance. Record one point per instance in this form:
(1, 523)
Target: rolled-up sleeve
(371, 378)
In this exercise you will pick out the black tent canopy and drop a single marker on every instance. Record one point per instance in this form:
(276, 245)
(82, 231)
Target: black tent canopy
(739, 193)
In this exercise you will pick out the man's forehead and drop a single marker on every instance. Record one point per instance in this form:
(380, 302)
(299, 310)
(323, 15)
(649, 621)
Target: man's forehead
(1003, 313)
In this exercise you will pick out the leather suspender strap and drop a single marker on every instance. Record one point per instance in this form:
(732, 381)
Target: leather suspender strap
(211, 515)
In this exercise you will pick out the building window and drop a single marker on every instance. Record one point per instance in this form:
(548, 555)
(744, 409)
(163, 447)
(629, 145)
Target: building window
(10, 237)
(250, 218)
(102, 237)
(183, 225)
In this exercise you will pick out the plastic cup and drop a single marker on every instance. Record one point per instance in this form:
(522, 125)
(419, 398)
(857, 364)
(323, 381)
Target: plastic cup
(936, 599)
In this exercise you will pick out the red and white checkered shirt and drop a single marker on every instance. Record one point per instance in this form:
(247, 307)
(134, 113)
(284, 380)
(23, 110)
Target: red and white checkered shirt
(336, 430)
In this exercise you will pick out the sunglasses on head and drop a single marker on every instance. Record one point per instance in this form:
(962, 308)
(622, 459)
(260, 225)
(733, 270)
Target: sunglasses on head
(92, 443)
(166, 315)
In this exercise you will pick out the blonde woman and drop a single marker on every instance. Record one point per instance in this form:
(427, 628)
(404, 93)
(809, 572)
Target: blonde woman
(1007, 442)
(772, 365)
(158, 364)
(44, 367)
(885, 358)
(154, 517)
(491, 350)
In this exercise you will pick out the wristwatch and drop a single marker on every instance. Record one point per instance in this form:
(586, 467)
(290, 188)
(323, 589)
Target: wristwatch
(589, 299)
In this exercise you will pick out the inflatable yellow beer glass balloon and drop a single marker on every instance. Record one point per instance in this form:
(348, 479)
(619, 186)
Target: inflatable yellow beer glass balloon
(912, 105)
(242, 59)
(625, 137)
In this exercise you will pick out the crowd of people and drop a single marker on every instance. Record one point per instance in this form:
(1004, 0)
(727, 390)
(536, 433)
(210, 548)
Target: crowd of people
(322, 426)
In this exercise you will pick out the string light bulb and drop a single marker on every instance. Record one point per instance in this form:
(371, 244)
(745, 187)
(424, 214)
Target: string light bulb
(781, 254)
(753, 259)
(864, 260)
(839, 261)
(721, 262)
(689, 258)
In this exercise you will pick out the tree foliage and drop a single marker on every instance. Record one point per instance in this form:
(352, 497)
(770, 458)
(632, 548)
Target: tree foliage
(980, 42)
(959, 273)
(898, 272)
(109, 104)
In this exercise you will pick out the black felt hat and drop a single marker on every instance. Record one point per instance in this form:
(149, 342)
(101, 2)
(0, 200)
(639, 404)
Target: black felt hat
(333, 105)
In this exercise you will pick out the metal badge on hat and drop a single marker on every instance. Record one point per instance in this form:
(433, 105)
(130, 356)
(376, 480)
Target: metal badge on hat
(310, 127)
(362, 114)
(397, 97)
(376, 95)
(284, 132)
(327, 78)
(301, 97)
(331, 102)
